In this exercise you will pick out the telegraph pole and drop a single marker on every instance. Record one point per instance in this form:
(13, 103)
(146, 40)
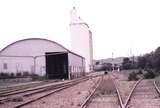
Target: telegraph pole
(112, 62)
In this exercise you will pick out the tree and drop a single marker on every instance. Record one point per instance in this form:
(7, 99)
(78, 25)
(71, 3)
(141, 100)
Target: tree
(156, 61)
(126, 64)
(107, 66)
(149, 60)
(146, 61)
(97, 63)
(141, 62)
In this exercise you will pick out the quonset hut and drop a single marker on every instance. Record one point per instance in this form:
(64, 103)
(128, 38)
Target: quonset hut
(46, 57)
(42, 57)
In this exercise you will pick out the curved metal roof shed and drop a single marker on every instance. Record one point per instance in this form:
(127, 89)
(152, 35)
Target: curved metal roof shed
(42, 57)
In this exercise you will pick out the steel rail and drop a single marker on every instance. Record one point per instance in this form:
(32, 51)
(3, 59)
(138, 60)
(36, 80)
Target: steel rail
(38, 87)
(23, 87)
(42, 89)
(118, 93)
(131, 93)
(157, 88)
(17, 88)
(30, 89)
(49, 88)
(52, 92)
(84, 104)
(119, 96)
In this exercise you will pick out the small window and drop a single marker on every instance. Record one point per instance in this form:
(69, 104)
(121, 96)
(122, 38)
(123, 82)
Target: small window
(5, 66)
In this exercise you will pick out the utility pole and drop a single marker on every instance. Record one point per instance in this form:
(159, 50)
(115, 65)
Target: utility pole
(112, 62)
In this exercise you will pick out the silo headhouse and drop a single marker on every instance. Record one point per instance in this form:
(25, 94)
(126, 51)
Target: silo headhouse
(81, 39)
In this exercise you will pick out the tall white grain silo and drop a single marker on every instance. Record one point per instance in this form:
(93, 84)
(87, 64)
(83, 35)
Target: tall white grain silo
(81, 39)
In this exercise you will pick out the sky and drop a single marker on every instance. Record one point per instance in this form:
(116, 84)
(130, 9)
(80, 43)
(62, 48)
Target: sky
(121, 27)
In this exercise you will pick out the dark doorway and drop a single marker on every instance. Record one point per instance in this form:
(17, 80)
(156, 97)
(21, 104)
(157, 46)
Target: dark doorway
(57, 65)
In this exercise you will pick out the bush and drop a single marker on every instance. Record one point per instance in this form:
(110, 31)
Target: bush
(12, 75)
(4, 75)
(35, 76)
(132, 76)
(140, 72)
(26, 74)
(19, 74)
(1, 75)
(149, 75)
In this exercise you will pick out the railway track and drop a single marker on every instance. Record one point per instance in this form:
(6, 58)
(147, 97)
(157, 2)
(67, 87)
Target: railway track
(30, 96)
(33, 90)
(37, 88)
(105, 94)
(25, 86)
(145, 94)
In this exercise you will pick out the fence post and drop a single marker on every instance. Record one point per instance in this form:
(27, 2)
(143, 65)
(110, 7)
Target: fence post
(34, 65)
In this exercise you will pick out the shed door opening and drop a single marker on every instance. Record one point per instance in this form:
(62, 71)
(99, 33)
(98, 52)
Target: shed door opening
(57, 65)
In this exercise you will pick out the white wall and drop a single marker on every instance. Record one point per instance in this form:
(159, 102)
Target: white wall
(15, 64)
(31, 47)
(76, 61)
(76, 65)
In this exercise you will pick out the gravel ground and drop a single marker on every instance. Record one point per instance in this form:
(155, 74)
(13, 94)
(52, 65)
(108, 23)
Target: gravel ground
(145, 96)
(15, 81)
(124, 86)
(96, 73)
(69, 98)
(4, 85)
(19, 99)
(105, 95)
(121, 76)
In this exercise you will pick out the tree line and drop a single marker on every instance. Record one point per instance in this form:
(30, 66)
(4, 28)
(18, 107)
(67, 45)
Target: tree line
(148, 61)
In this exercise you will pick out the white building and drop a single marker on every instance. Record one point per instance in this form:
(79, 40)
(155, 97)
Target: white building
(46, 57)
(41, 56)
(81, 39)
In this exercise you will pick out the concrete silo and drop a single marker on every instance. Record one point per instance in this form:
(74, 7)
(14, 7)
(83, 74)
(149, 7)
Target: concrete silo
(81, 39)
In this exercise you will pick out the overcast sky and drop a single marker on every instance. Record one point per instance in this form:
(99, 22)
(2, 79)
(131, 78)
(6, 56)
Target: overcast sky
(124, 27)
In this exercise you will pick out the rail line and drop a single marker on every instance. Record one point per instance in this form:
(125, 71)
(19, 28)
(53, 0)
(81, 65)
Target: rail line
(33, 90)
(142, 91)
(86, 101)
(39, 88)
(144, 94)
(148, 91)
(25, 86)
(51, 92)
(38, 93)
(112, 92)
